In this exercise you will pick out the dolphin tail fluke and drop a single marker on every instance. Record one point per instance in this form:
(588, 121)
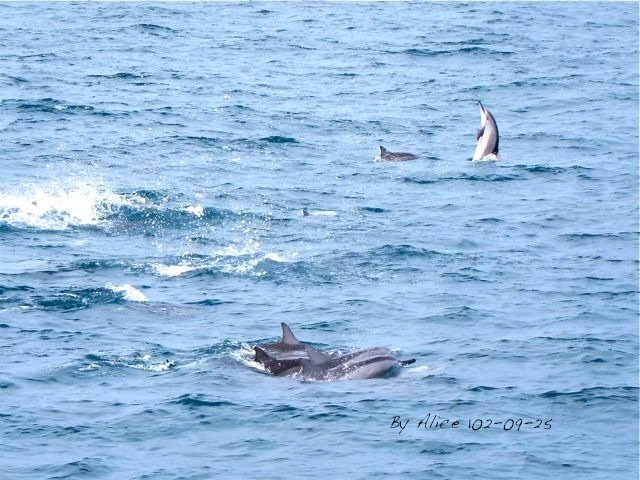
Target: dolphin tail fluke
(287, 335)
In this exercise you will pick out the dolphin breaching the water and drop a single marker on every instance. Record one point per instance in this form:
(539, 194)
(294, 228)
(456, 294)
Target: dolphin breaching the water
(385, 155)
(487, 137)
(296, 359)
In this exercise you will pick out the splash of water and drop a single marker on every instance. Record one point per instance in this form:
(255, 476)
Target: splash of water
(60, 205)
(129, 292)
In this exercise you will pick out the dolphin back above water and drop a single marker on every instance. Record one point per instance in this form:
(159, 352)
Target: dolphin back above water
(488, 138)
(368, 363)
(309, 363)
(386, 155)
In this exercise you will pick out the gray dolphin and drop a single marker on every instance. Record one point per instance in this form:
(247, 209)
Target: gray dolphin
(487, 136)
(309, 363)
(386, 155)
(288, 347)
(277, 367)
(368, 363)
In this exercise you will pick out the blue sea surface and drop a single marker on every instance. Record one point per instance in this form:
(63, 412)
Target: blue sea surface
(156, 158)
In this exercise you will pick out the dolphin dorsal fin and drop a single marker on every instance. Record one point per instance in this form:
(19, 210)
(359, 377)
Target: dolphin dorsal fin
(261, 355)
(382, 150)
(316, 357)
(287, 335)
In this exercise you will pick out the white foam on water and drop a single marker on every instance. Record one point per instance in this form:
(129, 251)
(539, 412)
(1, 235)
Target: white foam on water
(324, 213)
(196, 210)
(89, 368)
(281, 258)
(173, 270)
(422, 370)
(129, 292)
(156, 366)
(145, 363)
(246, 355)
(235, 259)
(60, 205)
(250, 247)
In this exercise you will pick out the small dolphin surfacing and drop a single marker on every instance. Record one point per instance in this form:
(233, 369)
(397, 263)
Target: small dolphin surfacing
(309, 363)
(385, 155)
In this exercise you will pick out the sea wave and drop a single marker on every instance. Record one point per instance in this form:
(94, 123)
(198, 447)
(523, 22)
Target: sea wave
(128, 292)
(68, 300)
(75, 203)
(241, 259)
(60, 205)
(102, 362)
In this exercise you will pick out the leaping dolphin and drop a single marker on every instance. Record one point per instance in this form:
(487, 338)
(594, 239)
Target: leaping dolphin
(487, 137)
(386, 155)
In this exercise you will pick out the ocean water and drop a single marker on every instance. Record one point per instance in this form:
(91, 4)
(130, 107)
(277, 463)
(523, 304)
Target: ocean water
(155, 162)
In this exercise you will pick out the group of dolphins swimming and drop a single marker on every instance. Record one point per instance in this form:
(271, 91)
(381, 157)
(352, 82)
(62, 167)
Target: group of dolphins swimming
(292, 358)
(486, 147)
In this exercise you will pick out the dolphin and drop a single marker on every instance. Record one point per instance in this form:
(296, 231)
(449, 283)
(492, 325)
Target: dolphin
(373, 362)
(368, 363)
(386, 155)
(277, 367)
(282, 358)
(289, 346)
(487, 136)
(289, 365)
(319, 213)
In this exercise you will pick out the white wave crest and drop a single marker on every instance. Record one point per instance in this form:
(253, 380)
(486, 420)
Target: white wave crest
(250, 247)
(323, 213)
(58, 206)
(246, 356)
(129, 292)
(150, 366)
(196, 210)
(173, 270)
(235, 259)
(281, 258)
